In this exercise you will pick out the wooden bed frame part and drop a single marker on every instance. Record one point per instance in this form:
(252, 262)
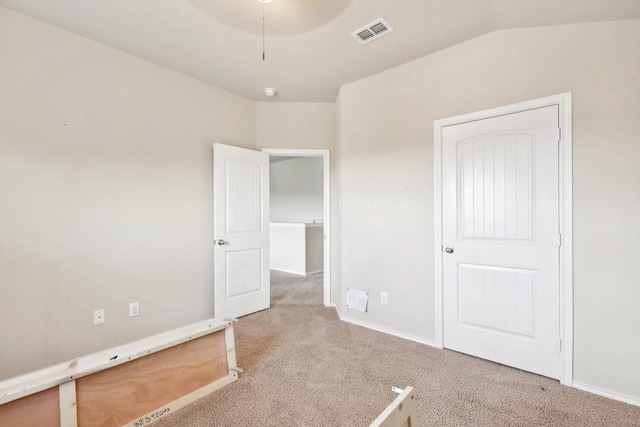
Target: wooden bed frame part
(132, 385)
(400, 413)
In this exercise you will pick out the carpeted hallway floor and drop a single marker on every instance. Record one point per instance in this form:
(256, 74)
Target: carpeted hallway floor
(305, 367)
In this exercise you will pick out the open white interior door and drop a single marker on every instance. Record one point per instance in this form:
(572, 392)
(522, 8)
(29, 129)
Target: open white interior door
(241, 230)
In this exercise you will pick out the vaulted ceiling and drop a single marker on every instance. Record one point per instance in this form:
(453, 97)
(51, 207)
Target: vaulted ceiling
(308, 50)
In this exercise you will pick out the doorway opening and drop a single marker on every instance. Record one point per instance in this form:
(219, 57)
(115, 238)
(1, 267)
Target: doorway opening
(312, 220)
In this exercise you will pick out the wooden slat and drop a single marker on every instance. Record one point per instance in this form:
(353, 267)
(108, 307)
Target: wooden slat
(121, 394)
(182, 402)
(68, 413)
(400, 413)
(231, 350)
(41, 409)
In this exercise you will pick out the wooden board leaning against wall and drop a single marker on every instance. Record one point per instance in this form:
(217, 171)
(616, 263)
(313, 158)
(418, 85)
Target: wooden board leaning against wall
(131, 385)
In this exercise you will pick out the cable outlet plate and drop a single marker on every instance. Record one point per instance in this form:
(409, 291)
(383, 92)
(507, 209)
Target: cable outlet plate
(134, 309)
(98, 317)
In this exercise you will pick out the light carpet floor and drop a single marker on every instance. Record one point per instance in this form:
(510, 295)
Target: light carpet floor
(305, 367)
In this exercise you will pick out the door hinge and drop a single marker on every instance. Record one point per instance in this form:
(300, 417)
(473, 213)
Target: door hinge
(560, 346)
(559, 134)
(559, 239)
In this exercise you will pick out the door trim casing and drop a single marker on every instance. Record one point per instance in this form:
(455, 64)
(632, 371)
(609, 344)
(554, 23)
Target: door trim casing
(326, 176)
(565, 168)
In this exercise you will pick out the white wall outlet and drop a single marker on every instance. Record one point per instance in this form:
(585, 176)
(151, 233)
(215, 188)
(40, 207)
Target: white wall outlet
(134, 309)
(98, 317)
(383, 298)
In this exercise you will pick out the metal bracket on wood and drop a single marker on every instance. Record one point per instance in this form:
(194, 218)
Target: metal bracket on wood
(236, 369)
(231, 319)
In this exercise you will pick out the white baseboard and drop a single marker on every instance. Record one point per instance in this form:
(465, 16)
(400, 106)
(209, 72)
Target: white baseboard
(580, 386)
(385, 330)
(606, 393)
(299, 273)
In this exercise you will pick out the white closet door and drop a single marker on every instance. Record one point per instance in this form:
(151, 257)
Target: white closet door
(501, 240)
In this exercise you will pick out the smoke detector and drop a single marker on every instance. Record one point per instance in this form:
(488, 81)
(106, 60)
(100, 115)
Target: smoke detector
(372, 31)
(270, 91)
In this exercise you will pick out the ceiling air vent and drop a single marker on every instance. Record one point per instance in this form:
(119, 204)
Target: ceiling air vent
(370, 32)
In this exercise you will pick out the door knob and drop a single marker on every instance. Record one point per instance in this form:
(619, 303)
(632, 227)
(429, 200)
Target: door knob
(449, 250)
(221, 242)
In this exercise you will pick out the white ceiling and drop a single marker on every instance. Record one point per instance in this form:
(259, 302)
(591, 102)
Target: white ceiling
(309, 50)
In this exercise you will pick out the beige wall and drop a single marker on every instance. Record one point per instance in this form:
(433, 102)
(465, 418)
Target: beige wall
(296, 190)
(298, 125)
(385, 154)
(105, 193)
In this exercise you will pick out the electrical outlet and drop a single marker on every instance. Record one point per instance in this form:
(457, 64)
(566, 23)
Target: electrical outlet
(134, 309)
(98, 317)
(383, 298)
